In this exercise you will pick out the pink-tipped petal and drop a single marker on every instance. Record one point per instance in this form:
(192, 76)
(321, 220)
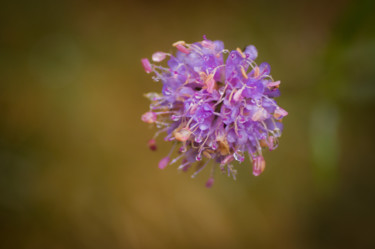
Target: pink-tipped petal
(227, 159)
(164, 162)
(158, 56)
(259, 164)
(146, 65)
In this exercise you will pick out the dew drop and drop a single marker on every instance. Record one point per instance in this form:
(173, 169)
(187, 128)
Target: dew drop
(198, 139)
(241, 119)
(167, 91)
(197, 95)
(238, 155)
(221, 91)
(175, 117)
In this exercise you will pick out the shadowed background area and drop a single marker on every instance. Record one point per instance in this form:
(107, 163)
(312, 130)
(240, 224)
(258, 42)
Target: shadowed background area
(75, 169)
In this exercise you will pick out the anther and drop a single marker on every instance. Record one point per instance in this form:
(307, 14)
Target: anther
(146, 65)
(152, 144)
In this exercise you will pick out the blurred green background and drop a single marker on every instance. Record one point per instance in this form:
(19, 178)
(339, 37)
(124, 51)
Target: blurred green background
(75, 170)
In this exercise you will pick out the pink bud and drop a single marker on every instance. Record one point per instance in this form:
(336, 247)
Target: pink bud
(163, 162)
(183, 49)
(146, 65)
(158, 56)
(259, 165)
(210, 182)
(152, 144)
(149, 117)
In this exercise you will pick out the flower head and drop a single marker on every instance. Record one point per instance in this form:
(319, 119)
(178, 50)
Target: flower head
(217, 109)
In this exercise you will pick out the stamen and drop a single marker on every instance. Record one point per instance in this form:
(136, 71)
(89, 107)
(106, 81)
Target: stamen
(182, 166)
(199, 170)
(256, 72)
(241, 53)
(231, 95)
(176, 159)
(243, 72)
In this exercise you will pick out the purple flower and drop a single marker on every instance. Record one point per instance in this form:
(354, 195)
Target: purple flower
(215, 109)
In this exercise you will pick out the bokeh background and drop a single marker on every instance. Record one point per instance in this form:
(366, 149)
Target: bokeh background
(75, 170)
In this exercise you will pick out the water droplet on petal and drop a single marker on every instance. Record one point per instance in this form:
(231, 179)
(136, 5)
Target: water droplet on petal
(175, 117)
(238, 155)
(221, 91)
(198, 139)
(167, 91)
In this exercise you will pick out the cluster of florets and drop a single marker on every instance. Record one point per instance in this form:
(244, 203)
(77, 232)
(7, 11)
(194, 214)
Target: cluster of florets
(215, 111)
